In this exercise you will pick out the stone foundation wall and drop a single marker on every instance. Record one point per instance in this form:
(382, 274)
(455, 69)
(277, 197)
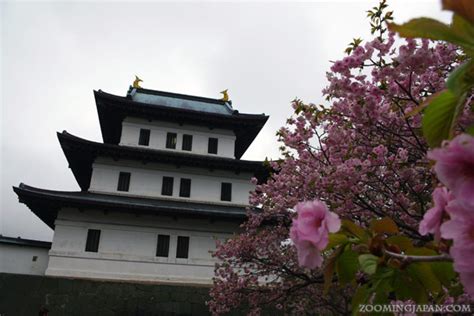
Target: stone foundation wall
(26, 294)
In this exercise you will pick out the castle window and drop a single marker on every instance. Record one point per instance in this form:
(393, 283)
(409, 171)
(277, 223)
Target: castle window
(187, 142)
(144, 139)
(124, 181)
(226, 191)
(167, 187)
(185, 188)
(212, 146)
(163, 246)
(92, 243)
(183, 247)
(171, 140)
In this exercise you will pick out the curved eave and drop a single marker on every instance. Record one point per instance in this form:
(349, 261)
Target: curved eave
(112, 110)
(47, 203)
(81, 154)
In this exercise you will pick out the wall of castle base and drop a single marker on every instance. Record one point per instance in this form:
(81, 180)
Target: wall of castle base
(24, 295)
(21, 259)
(127, 247)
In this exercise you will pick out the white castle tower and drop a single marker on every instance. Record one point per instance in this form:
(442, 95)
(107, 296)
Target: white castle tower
(166, 182)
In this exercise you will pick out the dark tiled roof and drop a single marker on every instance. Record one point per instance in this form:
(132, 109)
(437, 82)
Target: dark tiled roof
(176, 95)
(181, 101)
(25, 242)
(46, 204)
(113, 109)
(81, 153)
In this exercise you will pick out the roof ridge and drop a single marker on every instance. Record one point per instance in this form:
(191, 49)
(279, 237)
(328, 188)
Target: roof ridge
(179, 95)
(101, 93)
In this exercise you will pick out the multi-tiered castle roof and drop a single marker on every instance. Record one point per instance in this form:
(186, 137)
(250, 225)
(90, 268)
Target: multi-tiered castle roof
(150, 106)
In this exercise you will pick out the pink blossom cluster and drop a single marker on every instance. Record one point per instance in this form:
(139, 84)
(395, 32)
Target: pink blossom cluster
(452, 216)
(359, 153)
(310, 231)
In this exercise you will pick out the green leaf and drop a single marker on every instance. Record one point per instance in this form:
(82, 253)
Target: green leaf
(336, 240)
(461, 79)
(470, 130)
(444, 272)
(421, 251)
(381, 294)
(407, 287)
(402, 242)
(384, 225)
(422, 271)
(417, 109)
(328, 270)
(461, 26)
(440, 117)
(435, 30)
(360, 297)
(382, 284)
(355, 230)
(456, 290)
(346, 266)
(368, 263)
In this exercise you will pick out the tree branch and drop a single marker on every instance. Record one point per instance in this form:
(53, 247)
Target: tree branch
(410, 258)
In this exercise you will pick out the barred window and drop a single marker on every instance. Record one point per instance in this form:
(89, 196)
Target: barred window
(124, 181)
(171, 140)
(144, 139)
(226, 191)
(183, 247)
(92, 243)
(163, 246)
(185, 188)
(187, 142)
(167, 187)
(212, 146)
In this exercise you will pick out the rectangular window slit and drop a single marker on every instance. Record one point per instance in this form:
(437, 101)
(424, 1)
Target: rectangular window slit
(124, 181)
(92, 243)
(212, 146)
(167, 187)
(171, 140)
(182, 248)
(187, 142)
(163, 246)
(144, 139)
(226, 191)
(185, 188)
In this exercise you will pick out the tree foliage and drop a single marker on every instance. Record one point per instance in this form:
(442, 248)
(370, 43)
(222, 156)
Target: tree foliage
(362, 154)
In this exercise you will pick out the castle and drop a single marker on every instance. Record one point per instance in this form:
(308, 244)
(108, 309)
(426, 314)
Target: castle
(164, 185)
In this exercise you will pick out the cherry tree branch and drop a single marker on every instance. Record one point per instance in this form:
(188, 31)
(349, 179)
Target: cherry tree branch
(412, 258)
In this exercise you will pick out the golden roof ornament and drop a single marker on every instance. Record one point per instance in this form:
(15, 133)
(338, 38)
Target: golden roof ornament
(225, 95)
(136, 83)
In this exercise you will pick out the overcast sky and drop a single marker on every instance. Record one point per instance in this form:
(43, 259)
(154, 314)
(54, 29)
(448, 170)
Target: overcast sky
(54, 54)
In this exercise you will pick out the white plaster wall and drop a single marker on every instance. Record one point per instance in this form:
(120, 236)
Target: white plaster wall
(127, 247)
(146, 180)
(19, 259)
(158, 130)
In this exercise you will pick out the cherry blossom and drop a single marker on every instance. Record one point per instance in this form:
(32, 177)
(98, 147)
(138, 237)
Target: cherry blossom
(310, 231)
(360, 154)
(433, 218)
(460, 228)
(455, 167)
